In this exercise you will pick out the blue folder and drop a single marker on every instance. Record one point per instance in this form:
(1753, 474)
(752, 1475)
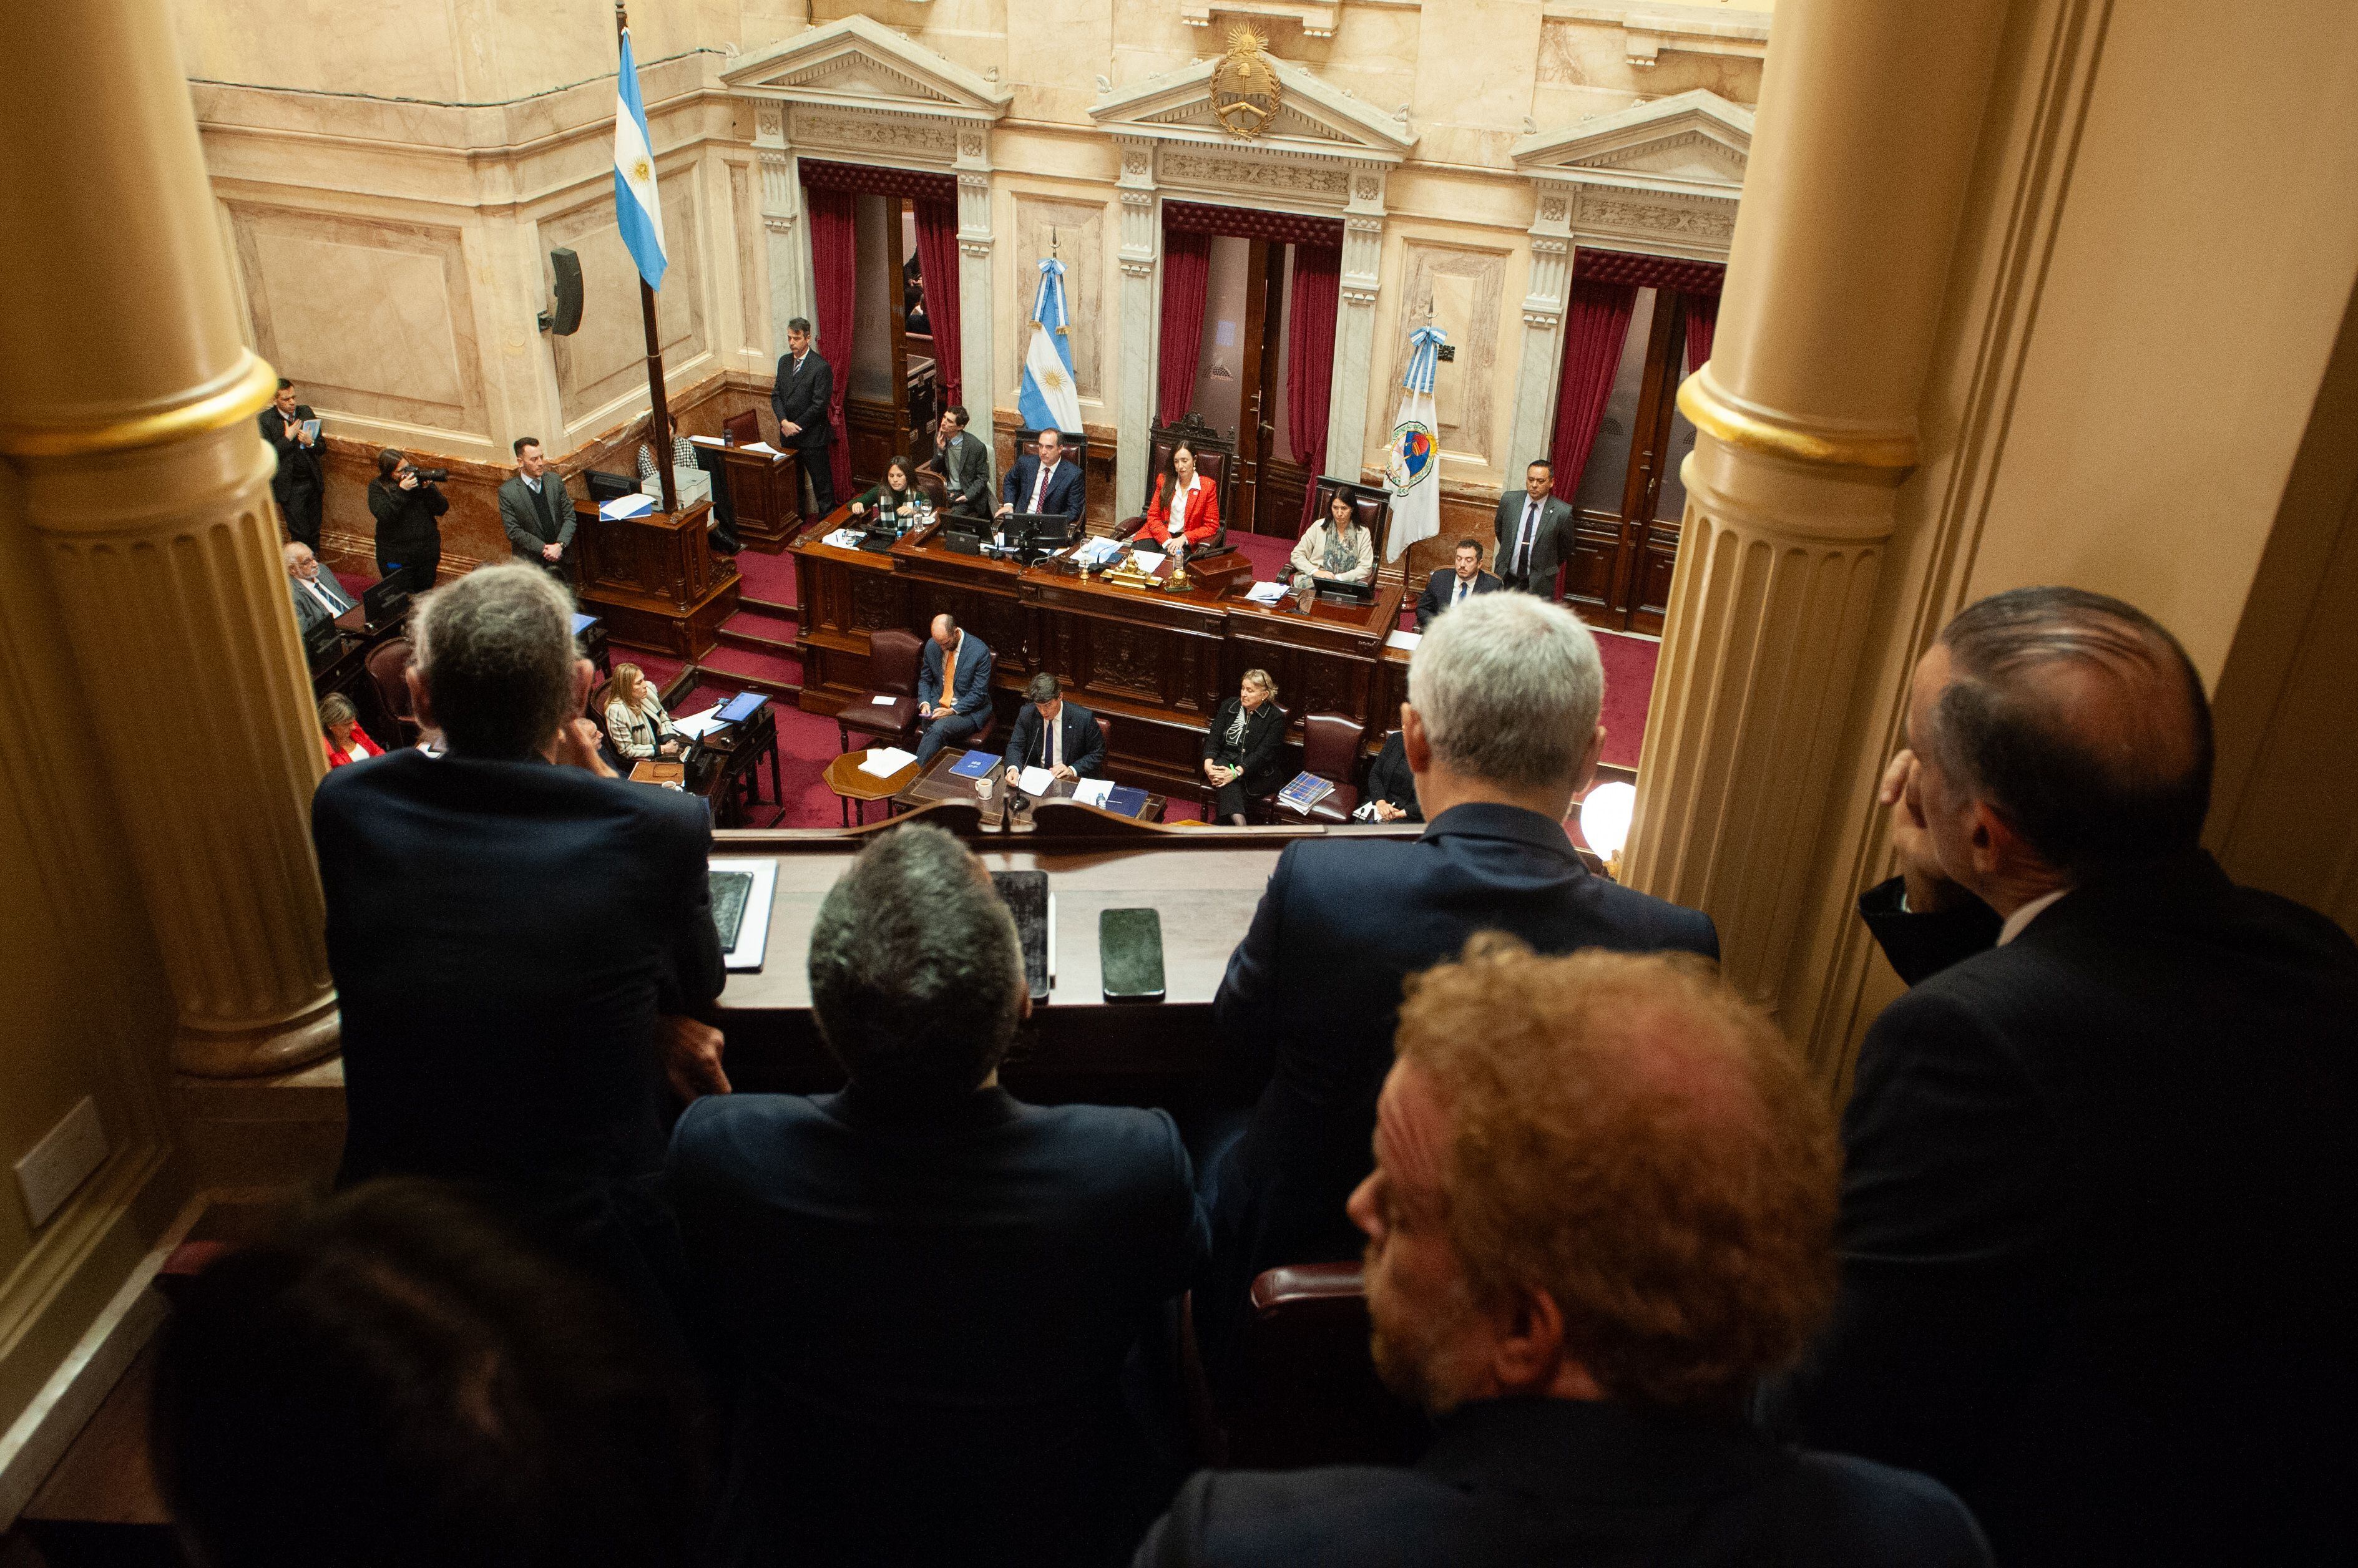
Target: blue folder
(1126, 799)
(973, 765)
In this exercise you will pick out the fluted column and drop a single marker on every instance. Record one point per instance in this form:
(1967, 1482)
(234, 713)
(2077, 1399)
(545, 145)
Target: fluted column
(127, 403)
(1807, 419)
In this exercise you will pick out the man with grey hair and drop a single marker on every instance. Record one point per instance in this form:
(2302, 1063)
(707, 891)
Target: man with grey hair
(516, 938)
(1501, 730)
(926, 1286)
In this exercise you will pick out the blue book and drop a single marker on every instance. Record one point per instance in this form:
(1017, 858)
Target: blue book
(582, 623)
(973, 765)
(1126, 800)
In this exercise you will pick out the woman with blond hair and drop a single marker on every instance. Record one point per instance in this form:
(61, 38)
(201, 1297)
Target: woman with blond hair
(341, 734)
(635, 720)
(1240, 749)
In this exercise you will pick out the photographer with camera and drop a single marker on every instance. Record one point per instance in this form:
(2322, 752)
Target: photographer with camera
(406, 501)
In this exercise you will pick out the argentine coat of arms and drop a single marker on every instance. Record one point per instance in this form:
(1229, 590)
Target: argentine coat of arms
(1245, 88)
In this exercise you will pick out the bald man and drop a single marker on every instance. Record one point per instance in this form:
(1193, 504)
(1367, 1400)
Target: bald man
(2097, 1172)
(953, 692)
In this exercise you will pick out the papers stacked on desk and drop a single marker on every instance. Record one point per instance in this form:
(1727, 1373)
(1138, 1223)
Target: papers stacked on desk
(847, 538)
(1152, 562)
(1265, 593)
(763, 447)
(1306, 791)
(1097, 552)
(627, 506)
(696, 725)
(1093, 792)
(1405, 642)
(1034, 781)
(886, 761)
(707, 441)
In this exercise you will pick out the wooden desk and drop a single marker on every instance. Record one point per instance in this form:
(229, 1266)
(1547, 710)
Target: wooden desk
(766, 490)
(850, 781)
(939, 783)
(1159, 663)
(741, 749)
(653, 579)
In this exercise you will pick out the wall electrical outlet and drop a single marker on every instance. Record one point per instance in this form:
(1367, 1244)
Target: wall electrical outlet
(61, 1162)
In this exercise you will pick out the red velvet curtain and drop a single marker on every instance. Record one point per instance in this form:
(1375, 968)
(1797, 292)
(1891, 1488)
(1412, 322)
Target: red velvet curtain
(1310, 359)
(1703, 320)
(834, 274)
(1187, 275)
(938, 258)
(1595, 326)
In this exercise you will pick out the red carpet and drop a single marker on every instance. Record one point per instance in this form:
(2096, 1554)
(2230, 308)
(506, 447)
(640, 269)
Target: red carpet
(770, 578)
(780, 669)
(1629, 686)
(761, 624)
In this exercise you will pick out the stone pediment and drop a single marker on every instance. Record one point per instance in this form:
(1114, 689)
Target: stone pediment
(1694, 143)
(1311, 117)
(860, 64)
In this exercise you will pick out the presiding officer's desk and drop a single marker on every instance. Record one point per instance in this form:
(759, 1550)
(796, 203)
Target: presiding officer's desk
(1159, 663)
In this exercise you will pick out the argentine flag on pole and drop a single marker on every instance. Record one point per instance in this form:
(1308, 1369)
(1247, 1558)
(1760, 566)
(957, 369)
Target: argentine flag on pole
(638, 208)
(1049, 400)
(1413, 463)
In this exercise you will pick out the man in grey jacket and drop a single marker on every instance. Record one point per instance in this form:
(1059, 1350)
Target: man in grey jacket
(1534, 529)
(536, 512)
(965, 464)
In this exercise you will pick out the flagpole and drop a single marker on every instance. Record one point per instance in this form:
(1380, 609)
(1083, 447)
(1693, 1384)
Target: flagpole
(659, 415)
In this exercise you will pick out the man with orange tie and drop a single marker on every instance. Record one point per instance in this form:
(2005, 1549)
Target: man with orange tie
(953, 692)
(1045, 483)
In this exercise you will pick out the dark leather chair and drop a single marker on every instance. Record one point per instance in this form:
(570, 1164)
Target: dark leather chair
(742, 429)
(1303, 1390)
(388, 663)
(1373, 505)
(1216, 459)
(1105, 728)
(1077, 449)
(1259, 808)
(893, 660)
(1330, 747)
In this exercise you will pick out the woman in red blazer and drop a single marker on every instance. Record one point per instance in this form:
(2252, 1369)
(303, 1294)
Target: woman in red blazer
(1195, 498)
(341, 734)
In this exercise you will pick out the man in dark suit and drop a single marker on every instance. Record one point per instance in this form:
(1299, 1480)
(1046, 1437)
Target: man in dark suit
(965, 463)
(926, 1288)
(301, 485)
(1310, 995)
(1044, 482)
(1391, 785)
(1601, 1203)
(954, 688)
(1052, 733)
(800, 396)
(1534, 530)
(516, 937)
(1463, 581)
(535, 512)
(2098, 1174)
(318, 595)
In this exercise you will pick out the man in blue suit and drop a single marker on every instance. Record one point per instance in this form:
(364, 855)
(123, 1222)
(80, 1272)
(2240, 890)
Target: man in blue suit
(1044, 484)
(926, 1288)
(1502, 734)
(953, 692)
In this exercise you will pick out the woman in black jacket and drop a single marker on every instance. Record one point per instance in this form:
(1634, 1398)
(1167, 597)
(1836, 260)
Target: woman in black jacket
(406, 507)
(1240, 749)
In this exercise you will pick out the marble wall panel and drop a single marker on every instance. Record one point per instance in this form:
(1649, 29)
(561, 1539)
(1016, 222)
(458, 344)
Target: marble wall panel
(1464, 291)
(368, 316)
(1079, 231)
(753, 261)
(606, 360)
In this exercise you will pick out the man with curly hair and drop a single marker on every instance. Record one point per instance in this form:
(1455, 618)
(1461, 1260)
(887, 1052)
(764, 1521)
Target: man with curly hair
(1603, 1206)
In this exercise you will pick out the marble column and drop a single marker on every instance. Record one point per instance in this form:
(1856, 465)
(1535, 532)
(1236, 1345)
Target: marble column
(977, 366)
(1355, 327)
(788, 238)
(1807, 413)
(1543, 355)
(127, 404)
(1141, 244)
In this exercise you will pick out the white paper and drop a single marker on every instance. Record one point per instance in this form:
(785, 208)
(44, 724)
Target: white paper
(886, 761)
(698, 724)
(753, 935)
(761, 447)
(847, 538)
(1035, 780)
(1265, 593)
(707, 441)
(883, 702)
(627, 506)
(1406, 641)
(1093, 792)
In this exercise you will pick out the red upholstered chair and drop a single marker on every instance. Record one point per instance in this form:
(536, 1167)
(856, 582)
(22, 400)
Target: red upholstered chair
(893, 660)
(1330, 747)
(388, 663)
(742, 429)
(1303, 1389)
(1258, 807)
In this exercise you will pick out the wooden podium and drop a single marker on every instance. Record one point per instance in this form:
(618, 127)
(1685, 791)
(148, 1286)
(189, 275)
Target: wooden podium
(653, 578)
(766, 490)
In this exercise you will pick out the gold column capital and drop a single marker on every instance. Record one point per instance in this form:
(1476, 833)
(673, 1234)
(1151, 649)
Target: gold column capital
(1720, 414)
(240, 393)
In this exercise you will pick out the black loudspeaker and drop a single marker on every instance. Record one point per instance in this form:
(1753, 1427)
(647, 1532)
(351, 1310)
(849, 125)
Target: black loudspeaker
(566, 319)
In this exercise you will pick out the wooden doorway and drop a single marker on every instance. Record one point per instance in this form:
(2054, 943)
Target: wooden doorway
(1240, 378)
(892, 399)
(1629, 498)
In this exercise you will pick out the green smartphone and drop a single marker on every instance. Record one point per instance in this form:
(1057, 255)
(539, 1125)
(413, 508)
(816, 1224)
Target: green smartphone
(1129, 954)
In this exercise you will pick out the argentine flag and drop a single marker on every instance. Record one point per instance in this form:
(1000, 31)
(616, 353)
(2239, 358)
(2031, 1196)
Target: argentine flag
(1412, 462)
(1049, 400)
(638, 208)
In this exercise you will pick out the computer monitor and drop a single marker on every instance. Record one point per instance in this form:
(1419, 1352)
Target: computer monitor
(1346, 593)
(385, 600)
(320, 640)
(742, 706)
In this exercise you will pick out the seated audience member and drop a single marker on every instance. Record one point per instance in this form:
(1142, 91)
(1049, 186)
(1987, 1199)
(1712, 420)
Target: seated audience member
(683, 455)
(1502, 734)
(516, 937)
(896, 498)
(1391, 787)
(1242, 749)
(1464, 578)
(318, 595)
(1044, 484)
(340, 734)
(965, 464)
(635, 720)
(926, 1288)
(1052, 734)
(1602, 1205)
(396, 1379)
(2097, 1169)
(954, 688)
(1337, 547)
(406, 508)
(1187, 505)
